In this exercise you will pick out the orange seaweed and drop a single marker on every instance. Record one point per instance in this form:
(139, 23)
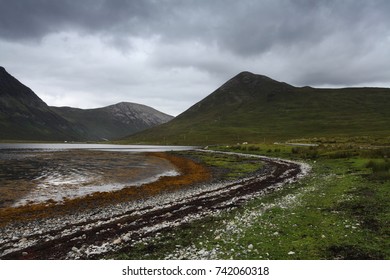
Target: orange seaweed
(190, 172)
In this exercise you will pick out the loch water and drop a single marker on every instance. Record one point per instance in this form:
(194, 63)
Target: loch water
(34, 173)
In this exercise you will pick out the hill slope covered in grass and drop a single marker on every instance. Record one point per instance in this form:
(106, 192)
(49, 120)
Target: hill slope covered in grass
(255, 108)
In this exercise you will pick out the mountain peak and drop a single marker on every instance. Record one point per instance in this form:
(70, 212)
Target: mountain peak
(249, 81)
(245, 73)
(248, 77)
(12, 88)
(3, 73)
(125, 104)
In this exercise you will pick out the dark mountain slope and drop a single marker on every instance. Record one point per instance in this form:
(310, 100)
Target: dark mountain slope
(24, 116)
(255, 108)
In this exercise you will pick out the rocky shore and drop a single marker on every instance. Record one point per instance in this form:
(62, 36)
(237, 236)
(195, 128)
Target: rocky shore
(96, 232)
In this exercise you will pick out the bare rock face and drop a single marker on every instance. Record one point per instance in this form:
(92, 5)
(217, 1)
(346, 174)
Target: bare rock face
(128, 113)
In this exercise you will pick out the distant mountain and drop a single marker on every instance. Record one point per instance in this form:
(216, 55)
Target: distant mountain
(24, 116)
(113, 121)
(255, 108)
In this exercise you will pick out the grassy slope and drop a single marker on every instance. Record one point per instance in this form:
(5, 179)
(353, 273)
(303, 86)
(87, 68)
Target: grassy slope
(340, 211)
(34, 123)
(254, 108)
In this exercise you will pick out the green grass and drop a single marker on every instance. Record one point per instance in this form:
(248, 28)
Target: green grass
(380, 169)
(339, 211)
(251, 108)
(312, 220)
(229, 167)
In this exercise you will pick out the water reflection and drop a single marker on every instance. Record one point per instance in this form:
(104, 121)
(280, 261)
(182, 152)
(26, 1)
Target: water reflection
(84, 146)
(30, 175)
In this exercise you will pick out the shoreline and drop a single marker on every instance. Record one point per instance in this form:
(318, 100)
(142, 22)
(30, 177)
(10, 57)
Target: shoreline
(189, 171)
(93, 233)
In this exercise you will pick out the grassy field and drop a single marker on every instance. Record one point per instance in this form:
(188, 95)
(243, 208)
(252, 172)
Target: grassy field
(340, 211)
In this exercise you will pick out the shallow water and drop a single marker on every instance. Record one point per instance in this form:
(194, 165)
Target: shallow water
(32, 173)
(85, 146)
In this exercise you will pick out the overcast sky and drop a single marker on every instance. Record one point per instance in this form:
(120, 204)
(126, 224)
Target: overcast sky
(169, 54)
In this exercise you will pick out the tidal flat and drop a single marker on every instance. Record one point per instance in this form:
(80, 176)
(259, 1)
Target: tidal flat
(39, 176)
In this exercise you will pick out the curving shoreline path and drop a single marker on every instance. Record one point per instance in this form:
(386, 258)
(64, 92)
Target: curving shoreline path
(95, 233)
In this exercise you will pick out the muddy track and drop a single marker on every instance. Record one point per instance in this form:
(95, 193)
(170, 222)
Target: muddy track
(99, 232)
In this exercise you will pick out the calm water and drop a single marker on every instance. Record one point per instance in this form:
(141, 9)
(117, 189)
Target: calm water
(32, 173)
(83, 146)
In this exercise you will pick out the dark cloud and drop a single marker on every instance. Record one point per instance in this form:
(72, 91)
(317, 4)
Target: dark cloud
(33, 19)
(241, 19)
(304, 42)
(245, 27)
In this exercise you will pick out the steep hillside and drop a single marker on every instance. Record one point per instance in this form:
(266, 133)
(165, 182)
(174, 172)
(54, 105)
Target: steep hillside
(114, 121)
(24, 116)
(255, 108)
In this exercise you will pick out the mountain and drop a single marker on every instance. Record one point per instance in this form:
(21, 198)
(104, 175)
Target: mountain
(113, 121)
(24, 116)
(255, 108)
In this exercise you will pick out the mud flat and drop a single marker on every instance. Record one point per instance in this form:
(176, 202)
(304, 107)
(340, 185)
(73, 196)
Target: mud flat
(115, 224)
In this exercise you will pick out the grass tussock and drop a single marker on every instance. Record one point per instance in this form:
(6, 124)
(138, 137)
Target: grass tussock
(380, 169)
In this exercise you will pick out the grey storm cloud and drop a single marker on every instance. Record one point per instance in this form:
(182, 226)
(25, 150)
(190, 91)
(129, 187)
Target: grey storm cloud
(33, 19)
(245, 27)
(304, 42)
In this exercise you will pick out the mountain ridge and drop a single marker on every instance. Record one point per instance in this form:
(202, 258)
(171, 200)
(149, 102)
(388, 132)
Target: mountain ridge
(256, 108)
(240, 87)
(25, 116)
(114, 121)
